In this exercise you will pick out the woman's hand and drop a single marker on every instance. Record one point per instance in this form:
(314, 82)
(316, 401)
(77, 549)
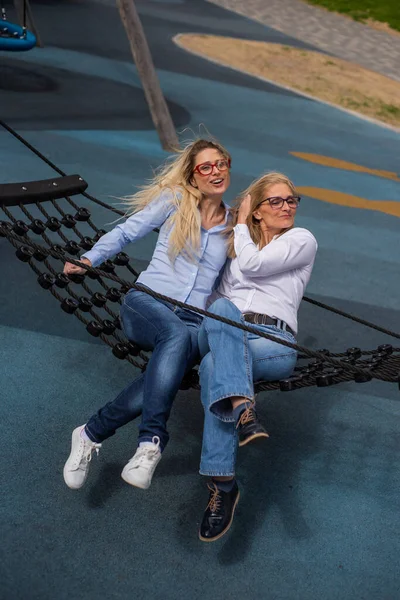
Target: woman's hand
(70, 269)
(244, 210)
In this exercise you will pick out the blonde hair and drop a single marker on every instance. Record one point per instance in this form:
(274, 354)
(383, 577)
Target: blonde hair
(176, 175)
(257, 190)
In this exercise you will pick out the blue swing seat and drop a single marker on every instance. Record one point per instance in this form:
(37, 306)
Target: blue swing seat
(12, 38)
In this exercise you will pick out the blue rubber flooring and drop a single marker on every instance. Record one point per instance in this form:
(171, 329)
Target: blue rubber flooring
(318, 516)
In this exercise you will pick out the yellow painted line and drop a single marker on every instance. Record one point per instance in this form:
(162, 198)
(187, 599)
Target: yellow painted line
(388, 207)
(336, 163)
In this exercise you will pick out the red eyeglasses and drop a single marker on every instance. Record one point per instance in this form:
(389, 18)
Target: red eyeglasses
(223, 164)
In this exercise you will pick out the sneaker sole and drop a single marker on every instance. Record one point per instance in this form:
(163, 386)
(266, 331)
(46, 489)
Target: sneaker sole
(72, 487)
(137, 485)
(66, 468)
(217, 537)
(253, 437)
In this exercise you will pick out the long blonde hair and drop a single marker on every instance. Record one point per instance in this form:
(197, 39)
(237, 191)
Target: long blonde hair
(176, 175)
(257, 190)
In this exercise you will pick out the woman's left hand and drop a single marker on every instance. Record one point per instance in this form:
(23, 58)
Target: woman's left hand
(244, 210)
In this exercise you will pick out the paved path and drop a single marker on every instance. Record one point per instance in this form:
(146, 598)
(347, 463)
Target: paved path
(331, 32)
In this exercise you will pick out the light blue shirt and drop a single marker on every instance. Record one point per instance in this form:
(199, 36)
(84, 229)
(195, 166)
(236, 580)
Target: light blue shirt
(183, 280)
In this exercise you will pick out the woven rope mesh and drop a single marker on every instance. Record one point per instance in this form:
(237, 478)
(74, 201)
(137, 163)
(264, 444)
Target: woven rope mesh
(65, 225)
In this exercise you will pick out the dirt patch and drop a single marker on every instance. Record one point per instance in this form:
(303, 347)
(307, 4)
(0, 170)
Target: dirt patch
(379, 26)
(331, 79)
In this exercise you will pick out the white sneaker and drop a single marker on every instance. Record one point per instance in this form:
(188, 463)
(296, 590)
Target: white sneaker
(76, 468)
(140, 468)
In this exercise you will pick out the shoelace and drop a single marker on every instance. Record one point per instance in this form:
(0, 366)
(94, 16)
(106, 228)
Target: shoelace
(146, 453)
(247, 416)
(85, 457)
(215, 498)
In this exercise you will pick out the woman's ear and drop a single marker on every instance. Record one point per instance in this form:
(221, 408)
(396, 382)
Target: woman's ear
(193, 183)
(256, 215)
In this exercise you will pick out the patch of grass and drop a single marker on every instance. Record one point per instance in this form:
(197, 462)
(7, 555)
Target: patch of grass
(389, 109)
(386, 11)
(350, 103)
(329, 62)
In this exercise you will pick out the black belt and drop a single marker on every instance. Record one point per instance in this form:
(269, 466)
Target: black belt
(260, 319)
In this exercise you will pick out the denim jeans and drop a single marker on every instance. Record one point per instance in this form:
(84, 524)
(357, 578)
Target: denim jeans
(172, 334)
(232, 360)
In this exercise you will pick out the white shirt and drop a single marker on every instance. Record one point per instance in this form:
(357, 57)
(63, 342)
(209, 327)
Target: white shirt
(272, 280)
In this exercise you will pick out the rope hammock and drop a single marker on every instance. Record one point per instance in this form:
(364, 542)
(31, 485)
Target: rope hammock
(40, 217)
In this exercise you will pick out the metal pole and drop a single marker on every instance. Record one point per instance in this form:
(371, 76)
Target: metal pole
(145, 66)
(20, 7)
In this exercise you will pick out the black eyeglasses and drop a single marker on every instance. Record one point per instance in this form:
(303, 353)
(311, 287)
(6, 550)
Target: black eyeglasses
(276, 202)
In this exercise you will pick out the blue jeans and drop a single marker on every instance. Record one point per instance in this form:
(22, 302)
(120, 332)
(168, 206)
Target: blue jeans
(232, 360)
(172, 334)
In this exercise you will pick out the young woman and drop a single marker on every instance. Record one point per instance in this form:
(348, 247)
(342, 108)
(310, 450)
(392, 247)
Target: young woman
(262, 286)
(185, 202)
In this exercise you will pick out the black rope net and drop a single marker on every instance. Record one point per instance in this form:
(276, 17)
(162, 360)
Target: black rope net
(47, 228)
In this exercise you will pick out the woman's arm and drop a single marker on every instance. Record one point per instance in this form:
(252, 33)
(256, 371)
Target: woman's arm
(293, 250)
(134, 228)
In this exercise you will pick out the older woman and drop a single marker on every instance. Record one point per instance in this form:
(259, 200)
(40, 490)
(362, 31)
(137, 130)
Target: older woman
(185, 201)
(262, 286)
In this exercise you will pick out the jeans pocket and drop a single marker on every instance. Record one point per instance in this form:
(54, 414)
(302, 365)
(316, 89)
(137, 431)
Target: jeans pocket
(279, 333)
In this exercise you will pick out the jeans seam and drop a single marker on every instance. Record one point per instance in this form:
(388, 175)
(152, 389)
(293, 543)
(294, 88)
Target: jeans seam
(278, 331)
(287, 355)
(234, 447)
(246, 355)
(216, 473)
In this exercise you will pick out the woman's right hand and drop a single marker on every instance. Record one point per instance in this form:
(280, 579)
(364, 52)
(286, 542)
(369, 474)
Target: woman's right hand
(244, 210)
(70, 269)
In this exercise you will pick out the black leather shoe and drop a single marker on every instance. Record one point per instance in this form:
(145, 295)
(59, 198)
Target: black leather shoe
(249, 427)
(219, 513)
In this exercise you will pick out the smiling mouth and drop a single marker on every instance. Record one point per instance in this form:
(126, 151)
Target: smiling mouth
(217, 181)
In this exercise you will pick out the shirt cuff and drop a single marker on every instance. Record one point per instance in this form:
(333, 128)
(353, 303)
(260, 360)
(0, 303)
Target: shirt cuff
(94, 257)
(241, 228)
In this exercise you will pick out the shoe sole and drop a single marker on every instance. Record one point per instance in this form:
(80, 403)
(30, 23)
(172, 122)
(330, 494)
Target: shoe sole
(217, 537)
(72, 487)
(138, 485)
(66, 469)
(141, 487)
(251, 438)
